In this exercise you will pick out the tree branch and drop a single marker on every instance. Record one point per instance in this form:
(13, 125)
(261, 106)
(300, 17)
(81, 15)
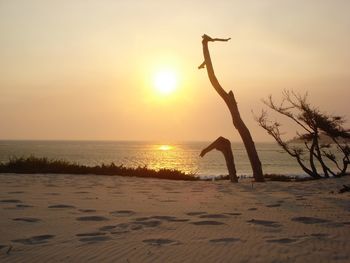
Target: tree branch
(223, 145)
(207, 39)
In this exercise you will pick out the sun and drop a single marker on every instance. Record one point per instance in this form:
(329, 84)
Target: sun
(165, 81)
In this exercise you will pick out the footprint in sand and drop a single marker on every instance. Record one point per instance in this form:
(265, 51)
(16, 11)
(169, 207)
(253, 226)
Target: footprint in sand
(91, 234)
(207, 223)
(224, 240)
(164, 218)
(120, 228)
(122, 213)
(234, 214)
(61, 206)
(282, 240)
(214, 216)
(93, 237)
(273, 205)
(195, 213)
(150, 223)
(27, 219)
(134, 227)
(266, 223)
(309, 220)
(179, 220)
(23, 206)
(10, 201)
(87, 210)
(159, 241)
(300, 197)
(124, 228)
(142, 218)
(170, 218)
(34, 240)
(107, 228)
(92, 218)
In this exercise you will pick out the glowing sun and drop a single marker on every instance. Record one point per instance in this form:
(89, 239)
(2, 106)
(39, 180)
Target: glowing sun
(165, 81)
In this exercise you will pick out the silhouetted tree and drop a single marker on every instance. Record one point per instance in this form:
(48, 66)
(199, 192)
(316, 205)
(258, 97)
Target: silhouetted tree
(314, 123)
(231, 103)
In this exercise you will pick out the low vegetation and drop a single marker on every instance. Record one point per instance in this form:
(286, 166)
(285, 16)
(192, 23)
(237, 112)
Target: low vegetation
(36, 165)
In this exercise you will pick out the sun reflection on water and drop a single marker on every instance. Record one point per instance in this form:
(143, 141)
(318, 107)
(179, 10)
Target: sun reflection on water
(165, 155)
(165, 147)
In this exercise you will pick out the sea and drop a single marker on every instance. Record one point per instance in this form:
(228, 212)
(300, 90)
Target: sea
(182, 156)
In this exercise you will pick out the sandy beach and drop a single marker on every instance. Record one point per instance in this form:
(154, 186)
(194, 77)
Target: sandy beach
(52, 218)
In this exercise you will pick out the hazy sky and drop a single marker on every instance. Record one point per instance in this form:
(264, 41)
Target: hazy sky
(84, 69)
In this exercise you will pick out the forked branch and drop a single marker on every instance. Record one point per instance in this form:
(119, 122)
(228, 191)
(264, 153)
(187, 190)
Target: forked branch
(223, 145)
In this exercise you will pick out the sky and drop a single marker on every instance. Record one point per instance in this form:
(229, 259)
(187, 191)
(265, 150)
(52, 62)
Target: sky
(85, 70)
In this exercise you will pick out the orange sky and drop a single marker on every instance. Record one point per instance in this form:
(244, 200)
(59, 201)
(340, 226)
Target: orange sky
(85, 69)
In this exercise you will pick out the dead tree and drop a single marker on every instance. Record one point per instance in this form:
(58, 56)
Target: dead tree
(224, 145)
(231, 103)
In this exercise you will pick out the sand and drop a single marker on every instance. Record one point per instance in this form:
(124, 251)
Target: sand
(87, 218)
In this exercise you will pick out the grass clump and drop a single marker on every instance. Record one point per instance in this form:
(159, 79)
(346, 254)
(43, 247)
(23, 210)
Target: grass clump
(43, 165)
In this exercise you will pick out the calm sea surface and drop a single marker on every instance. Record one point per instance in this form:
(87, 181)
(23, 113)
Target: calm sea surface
(182, 156)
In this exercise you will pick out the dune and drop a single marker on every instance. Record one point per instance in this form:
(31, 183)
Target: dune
(88, 218)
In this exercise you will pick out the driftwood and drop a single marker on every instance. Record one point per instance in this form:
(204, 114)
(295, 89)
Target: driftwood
(224, 145)
(231, 103)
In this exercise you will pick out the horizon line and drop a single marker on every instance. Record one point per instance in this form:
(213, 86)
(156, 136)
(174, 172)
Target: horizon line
(121, 140)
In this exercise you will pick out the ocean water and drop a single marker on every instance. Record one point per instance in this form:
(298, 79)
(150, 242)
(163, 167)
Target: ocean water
(182, 156)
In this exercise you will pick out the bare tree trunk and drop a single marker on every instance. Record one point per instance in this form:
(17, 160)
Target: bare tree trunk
(232, 105)
(224, 145)
(311, 155)
(320, 159)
